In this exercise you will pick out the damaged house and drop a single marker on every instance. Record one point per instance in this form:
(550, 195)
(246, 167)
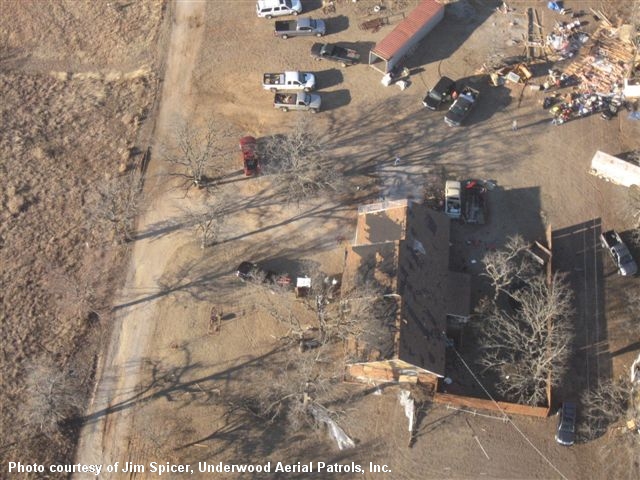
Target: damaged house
(403, 248)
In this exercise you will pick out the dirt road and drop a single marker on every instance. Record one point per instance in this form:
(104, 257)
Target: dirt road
(104, 437)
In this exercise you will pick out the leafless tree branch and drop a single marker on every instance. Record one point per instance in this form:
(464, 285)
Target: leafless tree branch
(116, 204)
(52, 397)
(526, 344)
(208, 220)
(299, 163)
(194, 152)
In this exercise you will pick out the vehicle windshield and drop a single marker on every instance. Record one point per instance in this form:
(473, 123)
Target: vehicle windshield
(435, 95)
(459, 108)
(313, 23)
(626, 259)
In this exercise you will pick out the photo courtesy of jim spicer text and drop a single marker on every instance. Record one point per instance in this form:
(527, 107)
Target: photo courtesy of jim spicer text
(171, 470)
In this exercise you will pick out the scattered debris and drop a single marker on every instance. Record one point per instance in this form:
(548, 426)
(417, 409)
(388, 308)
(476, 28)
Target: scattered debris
(321, 415)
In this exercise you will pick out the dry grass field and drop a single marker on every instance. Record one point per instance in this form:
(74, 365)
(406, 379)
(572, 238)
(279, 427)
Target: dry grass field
(78, 79)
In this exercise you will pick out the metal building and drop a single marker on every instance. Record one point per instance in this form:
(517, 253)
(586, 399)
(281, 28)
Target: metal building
(405, 37)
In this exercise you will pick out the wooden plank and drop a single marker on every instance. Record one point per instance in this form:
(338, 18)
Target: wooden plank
(482, 404)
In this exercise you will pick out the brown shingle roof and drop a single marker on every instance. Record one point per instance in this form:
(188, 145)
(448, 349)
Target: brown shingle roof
(410, 257)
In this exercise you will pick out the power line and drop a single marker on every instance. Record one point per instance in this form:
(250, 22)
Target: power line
(507, 417)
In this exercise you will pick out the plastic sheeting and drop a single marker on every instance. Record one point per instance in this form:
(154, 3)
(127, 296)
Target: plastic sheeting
(322, 415)
(409, 406)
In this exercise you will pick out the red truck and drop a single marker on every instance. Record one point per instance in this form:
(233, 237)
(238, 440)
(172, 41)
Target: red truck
(250, 159)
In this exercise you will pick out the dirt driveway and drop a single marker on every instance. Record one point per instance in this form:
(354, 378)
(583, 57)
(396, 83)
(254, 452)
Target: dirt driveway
(105, 437)
(164, 371)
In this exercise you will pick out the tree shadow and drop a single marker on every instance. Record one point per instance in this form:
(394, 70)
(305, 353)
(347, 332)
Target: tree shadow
(577, 252)
(335, 99)
(337, 24)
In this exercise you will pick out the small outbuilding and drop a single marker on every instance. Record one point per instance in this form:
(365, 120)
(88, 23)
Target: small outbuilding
(405, 37)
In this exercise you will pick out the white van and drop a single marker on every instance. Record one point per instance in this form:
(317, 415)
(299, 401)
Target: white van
(275, 8)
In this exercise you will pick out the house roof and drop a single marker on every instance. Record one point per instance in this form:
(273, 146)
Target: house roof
(423, 282)
(409, 256)
(405, 30)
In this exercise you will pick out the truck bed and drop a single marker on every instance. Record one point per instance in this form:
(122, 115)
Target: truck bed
(286, 25)
(475, 206)
(285, 98)
(273, 78)
(610, 238)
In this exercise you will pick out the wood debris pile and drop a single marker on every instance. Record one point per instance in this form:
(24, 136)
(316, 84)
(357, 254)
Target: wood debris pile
(606, 65)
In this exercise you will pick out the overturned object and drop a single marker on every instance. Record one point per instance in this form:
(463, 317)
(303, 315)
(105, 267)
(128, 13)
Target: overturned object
(614, 169)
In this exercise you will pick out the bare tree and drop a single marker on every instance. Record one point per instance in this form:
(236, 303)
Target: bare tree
(604, 406)
(299, 161)
(52, 397)
(289, 383)
(194, 152)
(507, 265)
(363, 313)
(634, 213)
(531, 343)
(116, 204)
(207, 221)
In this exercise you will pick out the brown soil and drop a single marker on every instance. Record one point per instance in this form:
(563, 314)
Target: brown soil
(164, 380)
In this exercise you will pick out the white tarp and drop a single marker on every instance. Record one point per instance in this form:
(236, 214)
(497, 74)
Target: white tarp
(409, 407)
(322, 415)
(614, 169)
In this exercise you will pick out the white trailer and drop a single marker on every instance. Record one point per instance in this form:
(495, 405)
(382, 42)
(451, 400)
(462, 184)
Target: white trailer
(614, 169)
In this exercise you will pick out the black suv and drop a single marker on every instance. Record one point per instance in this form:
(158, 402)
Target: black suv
(566, 431)
(439, 94)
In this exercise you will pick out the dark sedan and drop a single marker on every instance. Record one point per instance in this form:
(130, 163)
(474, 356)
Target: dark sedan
(566, 431)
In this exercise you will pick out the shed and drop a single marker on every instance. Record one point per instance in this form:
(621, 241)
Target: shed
(404, 38)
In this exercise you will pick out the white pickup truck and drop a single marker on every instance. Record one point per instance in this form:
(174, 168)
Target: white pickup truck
(619, 252)
(289, 81)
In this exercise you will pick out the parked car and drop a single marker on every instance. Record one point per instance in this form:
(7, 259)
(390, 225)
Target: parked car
(453, 199)
(461, 107)
(276, 8)
(299, 28)
(619, 252)
(336, 53)
(250, 271)
(289, 81)
(309, 102)
(250, 158)
(566, 430)
(439, 94)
